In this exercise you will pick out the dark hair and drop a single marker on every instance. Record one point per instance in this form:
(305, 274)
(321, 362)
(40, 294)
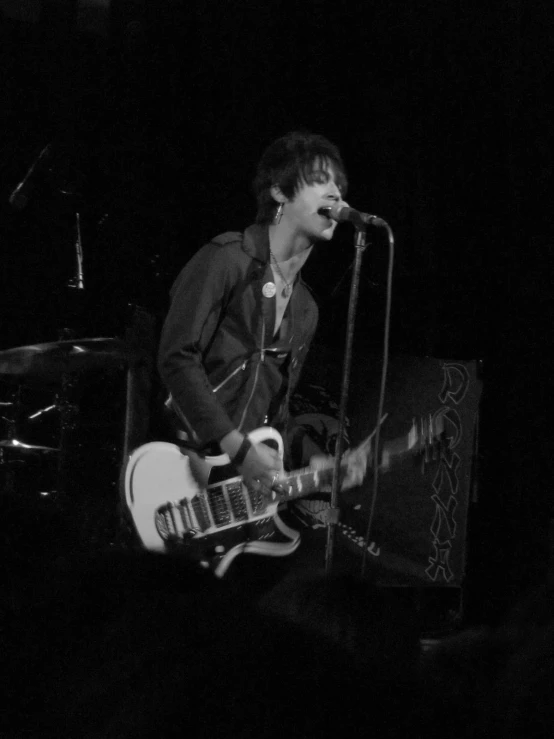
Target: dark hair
(290, 161)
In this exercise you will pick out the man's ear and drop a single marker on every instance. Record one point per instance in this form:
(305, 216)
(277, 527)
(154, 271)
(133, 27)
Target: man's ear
(277, 194)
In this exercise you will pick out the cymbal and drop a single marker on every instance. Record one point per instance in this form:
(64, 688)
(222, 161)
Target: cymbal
(22, 447)
(53, 360)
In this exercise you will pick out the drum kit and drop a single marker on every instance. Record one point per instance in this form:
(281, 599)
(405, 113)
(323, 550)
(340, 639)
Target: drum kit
(41, 370)
(63, 403)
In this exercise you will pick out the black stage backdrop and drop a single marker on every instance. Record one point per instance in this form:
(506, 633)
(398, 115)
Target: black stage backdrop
(156, 114)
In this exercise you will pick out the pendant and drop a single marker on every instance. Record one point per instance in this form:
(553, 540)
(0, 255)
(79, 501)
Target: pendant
(269, 290)
(287, 290)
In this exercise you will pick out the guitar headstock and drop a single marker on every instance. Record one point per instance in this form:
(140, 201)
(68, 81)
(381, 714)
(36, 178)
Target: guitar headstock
(425, 442)
(427, 439)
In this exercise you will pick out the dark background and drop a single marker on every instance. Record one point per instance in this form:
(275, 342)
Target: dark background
(157, 113)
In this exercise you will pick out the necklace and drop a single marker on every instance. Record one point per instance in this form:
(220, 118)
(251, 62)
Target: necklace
(287, 290)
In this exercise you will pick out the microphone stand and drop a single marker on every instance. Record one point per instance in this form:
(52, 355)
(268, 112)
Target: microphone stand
(73, 310)
(360, 245)
(67, 401)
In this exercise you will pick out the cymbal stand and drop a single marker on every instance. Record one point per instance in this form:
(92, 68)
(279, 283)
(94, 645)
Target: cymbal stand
(68, 411)
(78, 281)
(75, 294)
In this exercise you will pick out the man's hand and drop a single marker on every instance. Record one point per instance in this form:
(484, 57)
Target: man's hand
(354, 465)
(262, 466)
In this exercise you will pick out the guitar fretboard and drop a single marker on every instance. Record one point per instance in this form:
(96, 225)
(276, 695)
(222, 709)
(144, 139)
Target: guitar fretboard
(303, 482)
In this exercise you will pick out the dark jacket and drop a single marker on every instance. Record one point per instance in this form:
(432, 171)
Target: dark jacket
(218, 357)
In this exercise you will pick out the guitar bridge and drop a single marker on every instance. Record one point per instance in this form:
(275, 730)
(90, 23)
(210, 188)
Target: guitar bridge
(174, 522)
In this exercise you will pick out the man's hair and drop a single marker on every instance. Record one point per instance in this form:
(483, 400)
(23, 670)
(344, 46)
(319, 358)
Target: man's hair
(298, 158)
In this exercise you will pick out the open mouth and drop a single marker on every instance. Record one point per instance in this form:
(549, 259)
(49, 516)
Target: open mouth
(324, 211)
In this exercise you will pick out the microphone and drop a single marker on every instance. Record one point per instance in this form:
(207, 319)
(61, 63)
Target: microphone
(341, 212)
(20, 196)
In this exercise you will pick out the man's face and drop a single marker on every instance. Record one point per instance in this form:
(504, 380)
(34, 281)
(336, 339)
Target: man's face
(301, 210)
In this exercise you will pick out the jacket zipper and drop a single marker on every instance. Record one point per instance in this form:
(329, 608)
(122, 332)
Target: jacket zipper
(262, 359)
(238, 369)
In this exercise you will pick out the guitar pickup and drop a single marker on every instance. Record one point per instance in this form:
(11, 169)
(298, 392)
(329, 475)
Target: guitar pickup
(236, 499)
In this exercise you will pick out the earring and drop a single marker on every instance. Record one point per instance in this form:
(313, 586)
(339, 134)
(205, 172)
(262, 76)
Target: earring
(278, 214)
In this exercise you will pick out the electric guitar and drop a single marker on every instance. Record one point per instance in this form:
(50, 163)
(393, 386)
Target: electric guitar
(177, 499)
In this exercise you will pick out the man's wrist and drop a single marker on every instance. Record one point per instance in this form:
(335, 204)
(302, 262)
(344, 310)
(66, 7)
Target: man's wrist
(242, 451)
(231, 442)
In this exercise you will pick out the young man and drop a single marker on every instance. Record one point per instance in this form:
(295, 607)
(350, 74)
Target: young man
(241, 318)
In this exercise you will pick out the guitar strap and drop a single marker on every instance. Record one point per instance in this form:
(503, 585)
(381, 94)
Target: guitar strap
(181, 437)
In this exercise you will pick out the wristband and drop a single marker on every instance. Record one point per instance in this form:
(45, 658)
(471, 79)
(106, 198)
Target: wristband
(242, 451)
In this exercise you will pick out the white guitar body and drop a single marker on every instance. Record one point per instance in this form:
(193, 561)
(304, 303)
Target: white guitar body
(174, 503)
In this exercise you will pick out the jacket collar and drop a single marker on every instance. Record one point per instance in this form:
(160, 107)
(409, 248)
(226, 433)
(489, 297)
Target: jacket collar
(256, 242)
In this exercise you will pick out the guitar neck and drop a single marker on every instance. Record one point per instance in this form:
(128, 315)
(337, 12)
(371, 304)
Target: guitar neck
(303, 482)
